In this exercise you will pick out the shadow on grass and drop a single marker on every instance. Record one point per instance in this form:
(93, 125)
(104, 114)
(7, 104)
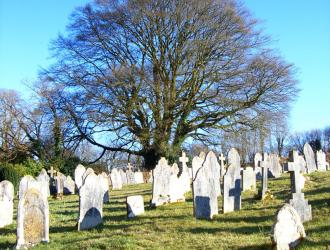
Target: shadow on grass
(7, 245)
(63, 229)
(246, 230)
(5, 231)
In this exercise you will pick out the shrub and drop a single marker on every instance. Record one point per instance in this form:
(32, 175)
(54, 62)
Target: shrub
(12, 173)
(32, 167)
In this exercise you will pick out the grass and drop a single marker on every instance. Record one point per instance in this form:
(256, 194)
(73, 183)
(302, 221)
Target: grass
(173, 226)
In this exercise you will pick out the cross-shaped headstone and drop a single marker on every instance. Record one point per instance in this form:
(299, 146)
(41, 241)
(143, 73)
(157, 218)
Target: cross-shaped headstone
(129, 166)
(294, 170)
(52, 172)
(183, 159)
(222, 159)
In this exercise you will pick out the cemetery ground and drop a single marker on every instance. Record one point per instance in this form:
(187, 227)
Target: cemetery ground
(173, 226)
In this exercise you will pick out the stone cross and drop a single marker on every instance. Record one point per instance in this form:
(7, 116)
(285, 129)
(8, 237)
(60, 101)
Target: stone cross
(294, 170)
(52, 172)
(183, 159)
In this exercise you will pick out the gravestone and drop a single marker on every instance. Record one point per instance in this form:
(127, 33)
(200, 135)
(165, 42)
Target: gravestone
(116, 179)
(287, 230)
(185, 175)
(44, 178)
(32, 217)
(52, 172)
(298, 200)
(59, 182)
(161, 183)
(29, 182)
(275, 167)
(85, 175)
(310, 158)
(222, 160)
(257, 166)
(248, 179)
(138, 177)
(68, 185)
(105, 185)
(123, 177)
(264, 175)
(322, 164)
(130, 175)
(78, 175)
(298, 159)
(134, 205)
(90, 202)
(176, 186)
(232, 183)
(204, 187)
(6, 203)
(215, 168)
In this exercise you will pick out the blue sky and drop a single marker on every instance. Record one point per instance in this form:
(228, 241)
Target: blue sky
(300, 29)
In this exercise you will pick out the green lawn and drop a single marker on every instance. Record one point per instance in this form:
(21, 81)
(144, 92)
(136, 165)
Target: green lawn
(174, 227)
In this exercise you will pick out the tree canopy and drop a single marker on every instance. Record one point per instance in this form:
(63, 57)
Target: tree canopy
(143, 76)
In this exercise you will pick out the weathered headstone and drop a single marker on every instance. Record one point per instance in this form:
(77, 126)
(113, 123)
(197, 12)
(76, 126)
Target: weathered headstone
(6, 203)
(138, 177)
(322, 164)
(257, 166)
(116, 179)
(248, 179)
(298, 200)
(32, 217)
(204, 187)
(29, 182)
(287, 230)
(275, 167)
(298, 159)
(78, 175)
(59, 181)
(130, 175)
(232, 183)
(68, 185)
(134, 205)
(176, 186)
(310, 158)
(105, 185)
(44, 178)
(123, 177)
(161, 183)
(90, 202)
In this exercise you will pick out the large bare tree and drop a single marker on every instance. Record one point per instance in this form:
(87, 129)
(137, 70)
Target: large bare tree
(142, 76)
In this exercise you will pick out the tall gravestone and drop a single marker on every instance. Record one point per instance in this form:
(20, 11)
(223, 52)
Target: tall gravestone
(6, 203)
(105, 185)
(90, 202)
(275, 167)
(29, 182)
(130, 175)
(310, 158)
(45, 179)
(232, 183)
(116, 179)
(78, 175)
(204, 186)
(257, 165)
(161, 183)
(32, 217)
(123, 177)
(322, 164)
(298, 200)
(68, 185)
(185, 175)
(248, 179)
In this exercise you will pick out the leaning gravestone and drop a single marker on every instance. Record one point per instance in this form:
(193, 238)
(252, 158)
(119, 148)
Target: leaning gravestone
(6, 203)
(232, 183)
(161, 183)
(105, 185)
(134, 205)
(32, 218)
(287, 230)
(204, 187)
(275, 167)
(322, 164)
(310, 158)
(78, 175)
(116, 179)
(68, 185)
(248, 179)
(90, 202)
(44, 178)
